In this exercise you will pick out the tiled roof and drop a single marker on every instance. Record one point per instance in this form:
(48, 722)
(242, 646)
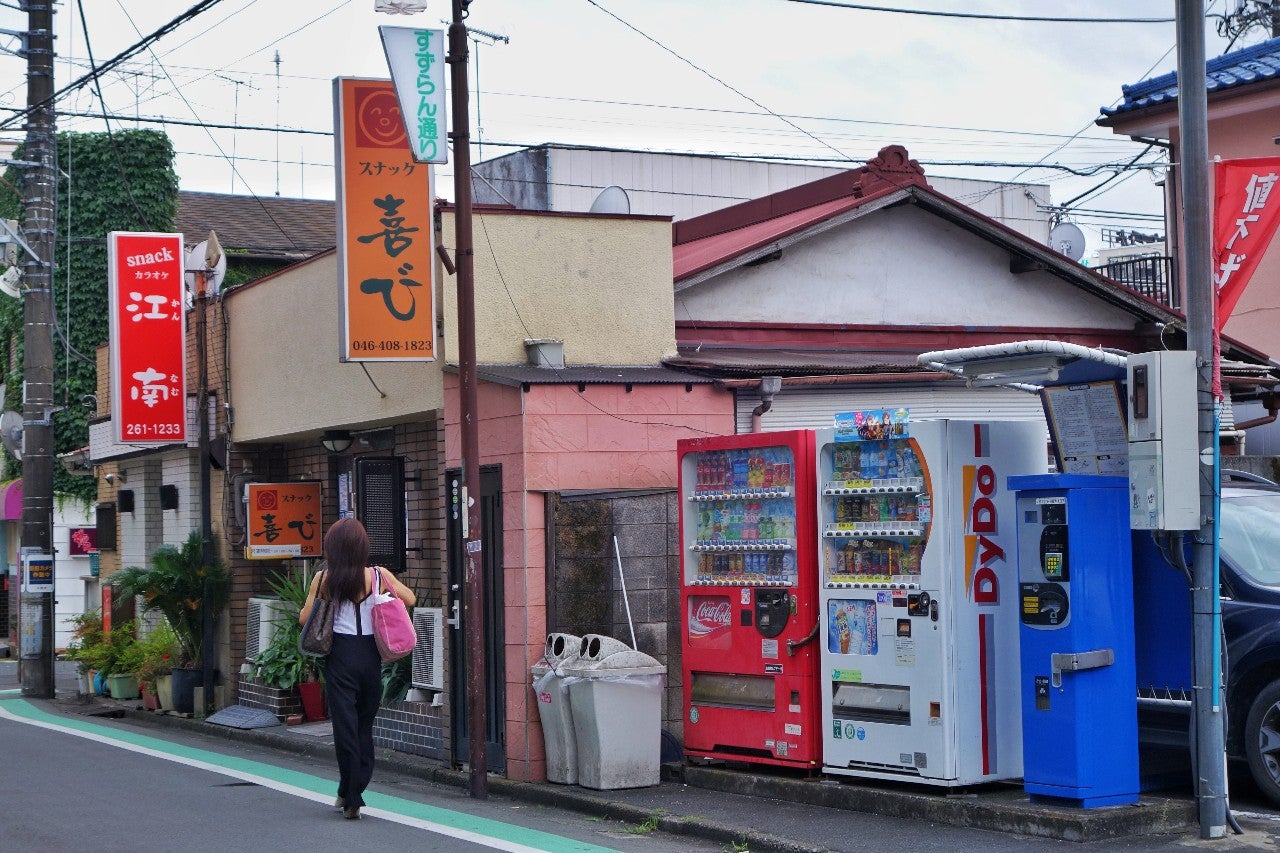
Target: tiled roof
(1254, 64)
(286, 228)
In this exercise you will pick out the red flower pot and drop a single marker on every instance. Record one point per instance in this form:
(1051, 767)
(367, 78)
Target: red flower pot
(312, 693)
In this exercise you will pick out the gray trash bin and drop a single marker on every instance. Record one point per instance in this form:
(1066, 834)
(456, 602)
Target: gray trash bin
(616, 697)
(553, 707)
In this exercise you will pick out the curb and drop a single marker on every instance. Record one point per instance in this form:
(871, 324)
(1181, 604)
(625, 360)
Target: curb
(999, 808)
(570, 798)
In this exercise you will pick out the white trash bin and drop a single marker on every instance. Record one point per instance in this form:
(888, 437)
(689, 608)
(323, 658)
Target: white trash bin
(553, 708)
(616, 697)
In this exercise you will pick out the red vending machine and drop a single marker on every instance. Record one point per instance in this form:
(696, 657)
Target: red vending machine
(749, 598)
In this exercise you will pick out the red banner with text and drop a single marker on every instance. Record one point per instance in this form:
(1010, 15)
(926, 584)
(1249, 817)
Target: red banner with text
(1244, 221)
(148, 337)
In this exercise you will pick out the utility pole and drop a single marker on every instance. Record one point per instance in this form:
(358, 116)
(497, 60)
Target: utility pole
(472, 556)
(1197, 266)
(39, 193)
(204, 283)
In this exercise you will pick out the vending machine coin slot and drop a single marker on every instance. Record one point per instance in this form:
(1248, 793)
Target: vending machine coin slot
(773, 608)
(1044, 604)
(918, 604)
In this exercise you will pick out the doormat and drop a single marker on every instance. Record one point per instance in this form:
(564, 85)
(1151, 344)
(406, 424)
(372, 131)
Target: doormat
(243, 717)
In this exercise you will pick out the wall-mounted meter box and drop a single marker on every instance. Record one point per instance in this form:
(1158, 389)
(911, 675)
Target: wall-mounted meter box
(1164, 459)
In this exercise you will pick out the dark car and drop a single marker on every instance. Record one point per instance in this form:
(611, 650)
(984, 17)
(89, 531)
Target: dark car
(1249, 536)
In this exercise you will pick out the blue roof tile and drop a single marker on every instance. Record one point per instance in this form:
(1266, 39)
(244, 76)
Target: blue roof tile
(1253, 64)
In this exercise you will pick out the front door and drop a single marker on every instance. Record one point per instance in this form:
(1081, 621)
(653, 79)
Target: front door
(491, 567)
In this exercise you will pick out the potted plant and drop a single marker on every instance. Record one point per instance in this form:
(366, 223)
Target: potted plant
(282, 665)
(126, 659)
(86, 633)
(179, 584)
(159, 652)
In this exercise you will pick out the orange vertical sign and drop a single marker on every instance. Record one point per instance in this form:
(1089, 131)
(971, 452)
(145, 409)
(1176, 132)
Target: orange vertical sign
(386, 238)
(283, 520)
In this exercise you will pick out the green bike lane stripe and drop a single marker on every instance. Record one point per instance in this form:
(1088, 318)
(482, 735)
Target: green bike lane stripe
(477, 830)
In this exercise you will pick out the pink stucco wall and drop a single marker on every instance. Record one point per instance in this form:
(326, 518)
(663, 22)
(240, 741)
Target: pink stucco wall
(555, 438)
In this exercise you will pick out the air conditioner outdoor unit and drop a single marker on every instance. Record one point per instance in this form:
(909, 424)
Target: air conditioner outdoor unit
(428, 655)
(260, 624)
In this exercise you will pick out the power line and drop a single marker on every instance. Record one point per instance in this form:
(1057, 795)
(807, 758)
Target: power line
(138, 47)
(184, 123)
(702, 70)
(981, 16)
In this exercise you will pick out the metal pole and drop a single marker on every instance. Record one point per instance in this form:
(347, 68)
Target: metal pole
(1197, 268)
(477, 723)
(39, 194)
(206, 512)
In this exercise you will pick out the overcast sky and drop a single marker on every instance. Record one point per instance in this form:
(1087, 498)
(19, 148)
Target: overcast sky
(621, 73)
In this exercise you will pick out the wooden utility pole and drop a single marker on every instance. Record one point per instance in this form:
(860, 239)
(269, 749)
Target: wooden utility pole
(472, 556)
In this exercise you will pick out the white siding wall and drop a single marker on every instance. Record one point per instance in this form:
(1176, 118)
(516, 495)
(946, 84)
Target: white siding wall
(70, 573)
(814, 408)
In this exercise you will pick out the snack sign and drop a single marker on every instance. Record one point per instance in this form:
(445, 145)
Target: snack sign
(148, 338)
(386, 236)
(283, 520)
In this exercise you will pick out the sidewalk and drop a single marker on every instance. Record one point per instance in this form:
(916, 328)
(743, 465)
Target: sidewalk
(769, 811)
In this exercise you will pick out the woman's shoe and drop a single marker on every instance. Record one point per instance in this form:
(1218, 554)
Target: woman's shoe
(351, 812)
(339, 803)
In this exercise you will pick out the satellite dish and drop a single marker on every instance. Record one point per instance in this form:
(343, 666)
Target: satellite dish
(11, 434)
(9, 282)
(206, 255)
(1067, 239)
(611, 200)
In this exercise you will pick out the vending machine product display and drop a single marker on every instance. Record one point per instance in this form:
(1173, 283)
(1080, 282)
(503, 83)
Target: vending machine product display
(749, 598)
(918, 596)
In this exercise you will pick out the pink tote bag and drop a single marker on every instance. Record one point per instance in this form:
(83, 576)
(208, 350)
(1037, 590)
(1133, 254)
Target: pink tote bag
(392, 627)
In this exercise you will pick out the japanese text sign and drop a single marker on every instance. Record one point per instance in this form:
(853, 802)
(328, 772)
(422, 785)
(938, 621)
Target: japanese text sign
(37, 572)
(148, 337)
(416, 59)
(1244, 220)
(386, 238)
(283, 520)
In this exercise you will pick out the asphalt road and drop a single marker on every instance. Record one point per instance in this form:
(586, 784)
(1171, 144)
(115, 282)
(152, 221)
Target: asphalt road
(74, 783)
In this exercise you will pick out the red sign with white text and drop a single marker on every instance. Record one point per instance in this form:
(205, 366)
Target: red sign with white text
(1245, 219)
(148, 338)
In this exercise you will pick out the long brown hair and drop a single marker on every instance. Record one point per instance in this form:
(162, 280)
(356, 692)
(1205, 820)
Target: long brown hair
(346, 550)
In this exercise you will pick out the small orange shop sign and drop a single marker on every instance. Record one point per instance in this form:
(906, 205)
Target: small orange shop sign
(283, 520)
(386, 235)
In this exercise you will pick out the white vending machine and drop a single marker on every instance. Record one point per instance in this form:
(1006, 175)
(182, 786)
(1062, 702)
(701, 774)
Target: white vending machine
(918, 596)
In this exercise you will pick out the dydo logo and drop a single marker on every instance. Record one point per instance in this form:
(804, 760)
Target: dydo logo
(981, 549)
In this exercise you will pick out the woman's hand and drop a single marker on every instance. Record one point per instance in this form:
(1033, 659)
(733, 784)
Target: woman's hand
(392, 584)
(311, 599)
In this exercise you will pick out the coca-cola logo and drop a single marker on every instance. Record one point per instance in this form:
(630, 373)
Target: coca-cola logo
(714, 614)
(709, 615)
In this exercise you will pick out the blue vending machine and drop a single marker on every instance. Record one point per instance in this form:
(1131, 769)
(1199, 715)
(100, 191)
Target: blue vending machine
(1079, 708)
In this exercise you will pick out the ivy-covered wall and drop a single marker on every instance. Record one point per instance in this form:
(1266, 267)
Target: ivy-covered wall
(124, 181)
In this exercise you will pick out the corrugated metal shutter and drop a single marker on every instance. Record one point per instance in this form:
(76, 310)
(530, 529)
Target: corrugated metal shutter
(814, 407)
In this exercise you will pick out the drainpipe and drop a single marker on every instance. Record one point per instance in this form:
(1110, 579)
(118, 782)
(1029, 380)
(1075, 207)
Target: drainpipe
(1272, 404)
(769, 386)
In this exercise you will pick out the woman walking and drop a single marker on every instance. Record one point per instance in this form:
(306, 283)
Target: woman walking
(353, 670)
